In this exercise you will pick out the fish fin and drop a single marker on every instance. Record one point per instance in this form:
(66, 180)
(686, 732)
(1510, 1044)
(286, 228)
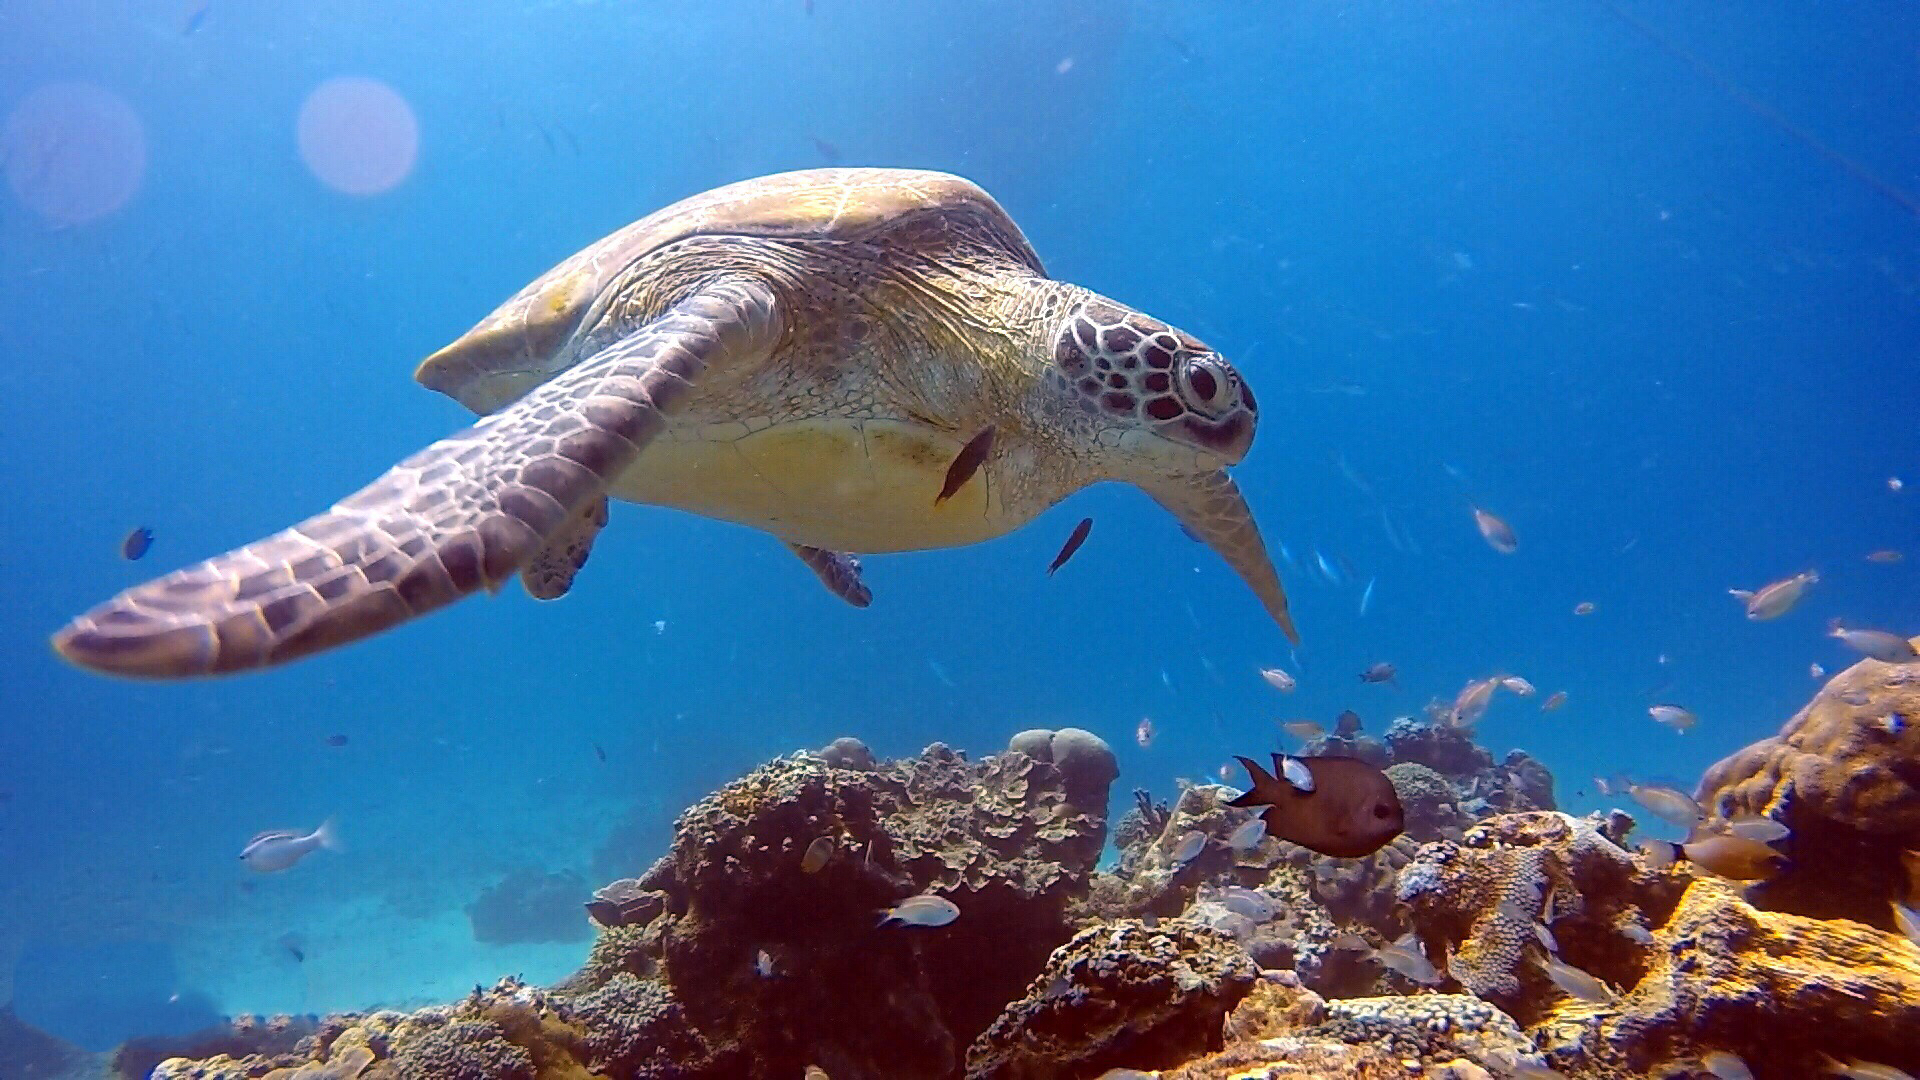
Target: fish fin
(886, 916)
(1260, 781)
(550, 574)
(462, 515)
(1211, 506)
(329, 836)
(965, 464)
(838, 571)
(1740, 594)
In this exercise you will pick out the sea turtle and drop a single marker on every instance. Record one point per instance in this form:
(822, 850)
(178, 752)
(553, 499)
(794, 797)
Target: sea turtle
(854, 360)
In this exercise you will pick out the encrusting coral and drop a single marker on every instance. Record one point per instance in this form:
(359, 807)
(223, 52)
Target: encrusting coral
(1844, 776)
(1474, 904)
(1118, 996)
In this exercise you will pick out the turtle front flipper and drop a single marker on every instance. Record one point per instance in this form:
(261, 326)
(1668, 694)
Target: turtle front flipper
(1211, 506)
(838, 571)
(549, 574)
(465, 513)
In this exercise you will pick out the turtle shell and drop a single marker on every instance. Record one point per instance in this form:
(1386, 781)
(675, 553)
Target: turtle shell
(926, 213)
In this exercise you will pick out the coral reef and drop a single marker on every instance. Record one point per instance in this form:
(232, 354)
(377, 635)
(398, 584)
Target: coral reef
(1430, 802)
(1282, 1030)
(528, 906)
(1475, 902)
(739, 955)
(1844, 775)
(1772, 987)
(1118, 996)
(263, 1037)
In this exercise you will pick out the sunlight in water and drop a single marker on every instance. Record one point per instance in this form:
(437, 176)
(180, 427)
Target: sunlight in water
(74, 152)
(358, 135)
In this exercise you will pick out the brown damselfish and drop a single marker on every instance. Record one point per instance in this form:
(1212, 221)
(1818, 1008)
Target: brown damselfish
(1351, 812)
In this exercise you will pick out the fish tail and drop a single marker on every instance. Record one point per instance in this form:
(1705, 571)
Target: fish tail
(328, 834)
(886, 916)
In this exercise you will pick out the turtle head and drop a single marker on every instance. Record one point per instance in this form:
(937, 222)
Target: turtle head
(1180, 406)
(1169, 414)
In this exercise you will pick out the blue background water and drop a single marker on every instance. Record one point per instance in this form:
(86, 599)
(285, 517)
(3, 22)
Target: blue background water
(1674, 345)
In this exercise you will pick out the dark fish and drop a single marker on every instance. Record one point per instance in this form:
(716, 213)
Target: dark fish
(1347, 724)
(1072, 545)
(829, 153)
(295, 947)
(336, 740)
(600, 752)
(196, 16)
(965, 464)
(1352, 811)
(1382, 672)
(137, 543)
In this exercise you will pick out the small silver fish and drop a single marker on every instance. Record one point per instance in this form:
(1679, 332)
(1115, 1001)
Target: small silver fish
(1725, 1066)
(1584, 607)
(1303, 729)
(1381, 672)
(1667, 803)
(1554, 701)
(923, 910)
(1673, 716)
(1188, 848)
(278, 849)
(763, 965)
(1143, 732)
(1637, 934)
(1404, 956)
(1295, 772)
(1497, 533)
(1248, 835)
(1471, 704)
(1775, 600)
(1877, 644)
(1816, 671)
(1255, 905)
(1278, 679)
(1763, 829)
(1908, 920)
(1366, 597)
(1577, 983)
(1855, 1069)
(1545, 937)
(1517, 685)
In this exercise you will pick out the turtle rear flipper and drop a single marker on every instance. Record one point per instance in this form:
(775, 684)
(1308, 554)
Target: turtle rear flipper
(550, 573)
(463, 514)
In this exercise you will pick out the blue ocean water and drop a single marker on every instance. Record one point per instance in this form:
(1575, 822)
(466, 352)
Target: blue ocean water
(1642, 279)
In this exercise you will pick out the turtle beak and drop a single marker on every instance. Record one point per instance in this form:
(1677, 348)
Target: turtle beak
(1211, 507)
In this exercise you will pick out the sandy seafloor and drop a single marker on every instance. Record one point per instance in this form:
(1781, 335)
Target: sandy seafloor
(382, 924)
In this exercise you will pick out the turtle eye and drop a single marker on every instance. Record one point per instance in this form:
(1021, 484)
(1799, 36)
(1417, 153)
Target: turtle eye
(1205, 384)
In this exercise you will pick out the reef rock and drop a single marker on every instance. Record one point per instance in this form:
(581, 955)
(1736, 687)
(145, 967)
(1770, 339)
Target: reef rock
(1284, 1031)
(528, 906)
(785, 968)
(1473, 905)
(1118, 996)
(1779, 990)
(1844, 775)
